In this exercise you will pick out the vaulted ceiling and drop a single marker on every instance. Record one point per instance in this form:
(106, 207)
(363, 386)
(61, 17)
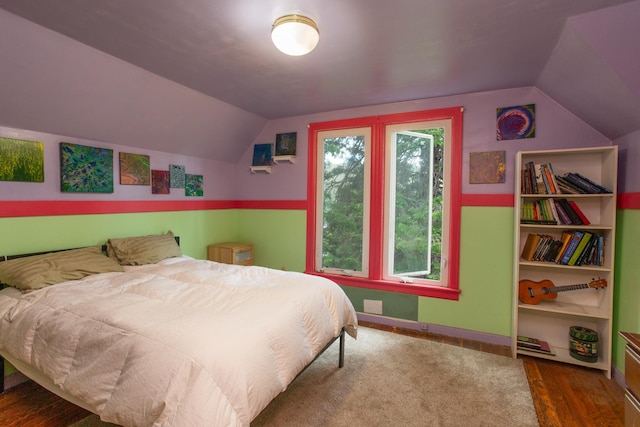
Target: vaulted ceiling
(583, 53)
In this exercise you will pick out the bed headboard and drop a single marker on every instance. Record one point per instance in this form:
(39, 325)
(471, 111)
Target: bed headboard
(104, 249)
(10, 257)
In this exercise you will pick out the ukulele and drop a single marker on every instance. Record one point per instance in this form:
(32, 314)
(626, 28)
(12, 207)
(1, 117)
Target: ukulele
(531, 292)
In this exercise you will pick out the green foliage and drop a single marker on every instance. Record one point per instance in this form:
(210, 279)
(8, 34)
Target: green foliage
(343, 195)
(21, 160)
(343, 203)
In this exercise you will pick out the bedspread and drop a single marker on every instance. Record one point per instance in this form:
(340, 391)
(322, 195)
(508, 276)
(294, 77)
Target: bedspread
(180, 343)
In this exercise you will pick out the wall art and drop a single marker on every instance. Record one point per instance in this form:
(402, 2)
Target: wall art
(85, 169)
(193, 185)
(21, 160)
(286, 144)
(135, 169)
(177, 176)
(487, 167)
(159, 182)
(262, 155)
(516, 122)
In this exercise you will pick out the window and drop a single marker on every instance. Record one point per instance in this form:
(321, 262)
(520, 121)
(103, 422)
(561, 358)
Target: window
(384, 202)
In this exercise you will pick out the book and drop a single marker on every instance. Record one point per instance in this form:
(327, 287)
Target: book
(582, 244)
(581, 182)
(554, 212)
(579, 212)
(537, 212)
(530, 246)
(575, 239)
(553, 251)
(531, 173)
(543, 247)
(545, 178)
(565, 239)
(534, 344)
(539, 247)
(602, 188)
(588, 250)
(567, 187)
(566, 206)
(539, 182)
(552, 178)
(562, 215)
(599, 258)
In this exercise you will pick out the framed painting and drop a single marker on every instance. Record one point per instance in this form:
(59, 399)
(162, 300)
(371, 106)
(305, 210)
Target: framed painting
(135, 169)
(193, 185)
(286, 144)
(176, 173)
(262, 155)
(487, 167)
(160, 182)
(516, 122)
(21, 160)
(85, 169)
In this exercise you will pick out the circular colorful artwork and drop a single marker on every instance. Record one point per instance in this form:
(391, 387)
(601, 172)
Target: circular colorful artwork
(516, 122)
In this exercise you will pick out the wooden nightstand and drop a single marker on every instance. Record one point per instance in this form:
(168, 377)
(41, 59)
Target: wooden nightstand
(231, 253)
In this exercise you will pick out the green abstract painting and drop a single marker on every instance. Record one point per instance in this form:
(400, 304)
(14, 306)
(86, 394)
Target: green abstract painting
(193, 185)
(85, 169)
(21, 160)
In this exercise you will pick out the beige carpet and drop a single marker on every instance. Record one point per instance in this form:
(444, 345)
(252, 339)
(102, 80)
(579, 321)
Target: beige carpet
(394, 380)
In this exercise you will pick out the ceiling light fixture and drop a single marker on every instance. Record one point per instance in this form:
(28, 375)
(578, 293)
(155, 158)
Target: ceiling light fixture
(295, 35)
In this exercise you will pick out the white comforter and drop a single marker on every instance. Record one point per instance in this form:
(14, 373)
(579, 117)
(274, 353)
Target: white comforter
(180, 343)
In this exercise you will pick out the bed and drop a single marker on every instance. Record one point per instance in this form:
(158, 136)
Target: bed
(166, 340)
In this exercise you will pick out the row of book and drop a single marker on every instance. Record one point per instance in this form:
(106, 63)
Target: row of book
(552, 211)
(535, 345)
(540, 179)
(574, 247)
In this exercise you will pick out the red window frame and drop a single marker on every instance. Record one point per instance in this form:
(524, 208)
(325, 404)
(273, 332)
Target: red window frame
(376, 230)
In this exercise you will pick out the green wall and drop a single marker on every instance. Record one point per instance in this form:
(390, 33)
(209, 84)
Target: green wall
(196, 230)
(278, 237)
(627, 281)
(486, 275)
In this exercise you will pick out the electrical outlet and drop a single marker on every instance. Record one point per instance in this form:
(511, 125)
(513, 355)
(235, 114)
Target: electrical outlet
(424, 327)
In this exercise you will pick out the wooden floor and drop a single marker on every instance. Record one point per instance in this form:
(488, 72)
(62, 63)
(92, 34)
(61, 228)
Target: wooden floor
(563, 395)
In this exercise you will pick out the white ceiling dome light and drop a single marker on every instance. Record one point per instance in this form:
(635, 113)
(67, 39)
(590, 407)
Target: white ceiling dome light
(295, 35)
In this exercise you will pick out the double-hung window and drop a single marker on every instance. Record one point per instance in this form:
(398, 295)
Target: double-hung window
(384, 201)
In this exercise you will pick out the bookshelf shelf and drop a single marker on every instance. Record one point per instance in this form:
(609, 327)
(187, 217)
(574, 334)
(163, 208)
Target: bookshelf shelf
(568, 309)
(562, 355)
(557, 286)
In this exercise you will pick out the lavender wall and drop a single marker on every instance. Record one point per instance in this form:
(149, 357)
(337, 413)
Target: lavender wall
(628, 170)
(555, 128)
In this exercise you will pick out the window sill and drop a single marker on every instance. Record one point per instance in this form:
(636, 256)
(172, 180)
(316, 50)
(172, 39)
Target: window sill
(389, 286)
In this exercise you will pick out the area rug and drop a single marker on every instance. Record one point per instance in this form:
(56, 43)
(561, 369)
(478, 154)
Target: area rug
(395, 380)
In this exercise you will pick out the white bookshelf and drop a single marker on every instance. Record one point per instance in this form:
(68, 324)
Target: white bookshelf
(551, 319)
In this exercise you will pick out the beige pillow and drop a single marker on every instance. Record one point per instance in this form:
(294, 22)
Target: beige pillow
(38, 271)
(143, 249)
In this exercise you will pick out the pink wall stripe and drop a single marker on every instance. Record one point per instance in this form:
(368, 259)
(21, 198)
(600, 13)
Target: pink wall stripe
(629, 201)
(57, 207)
(271, 204)
(9, 209)
(487, 200)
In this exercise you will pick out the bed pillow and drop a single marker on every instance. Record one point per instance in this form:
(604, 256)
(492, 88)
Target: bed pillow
(143, 249)
(38, 271)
